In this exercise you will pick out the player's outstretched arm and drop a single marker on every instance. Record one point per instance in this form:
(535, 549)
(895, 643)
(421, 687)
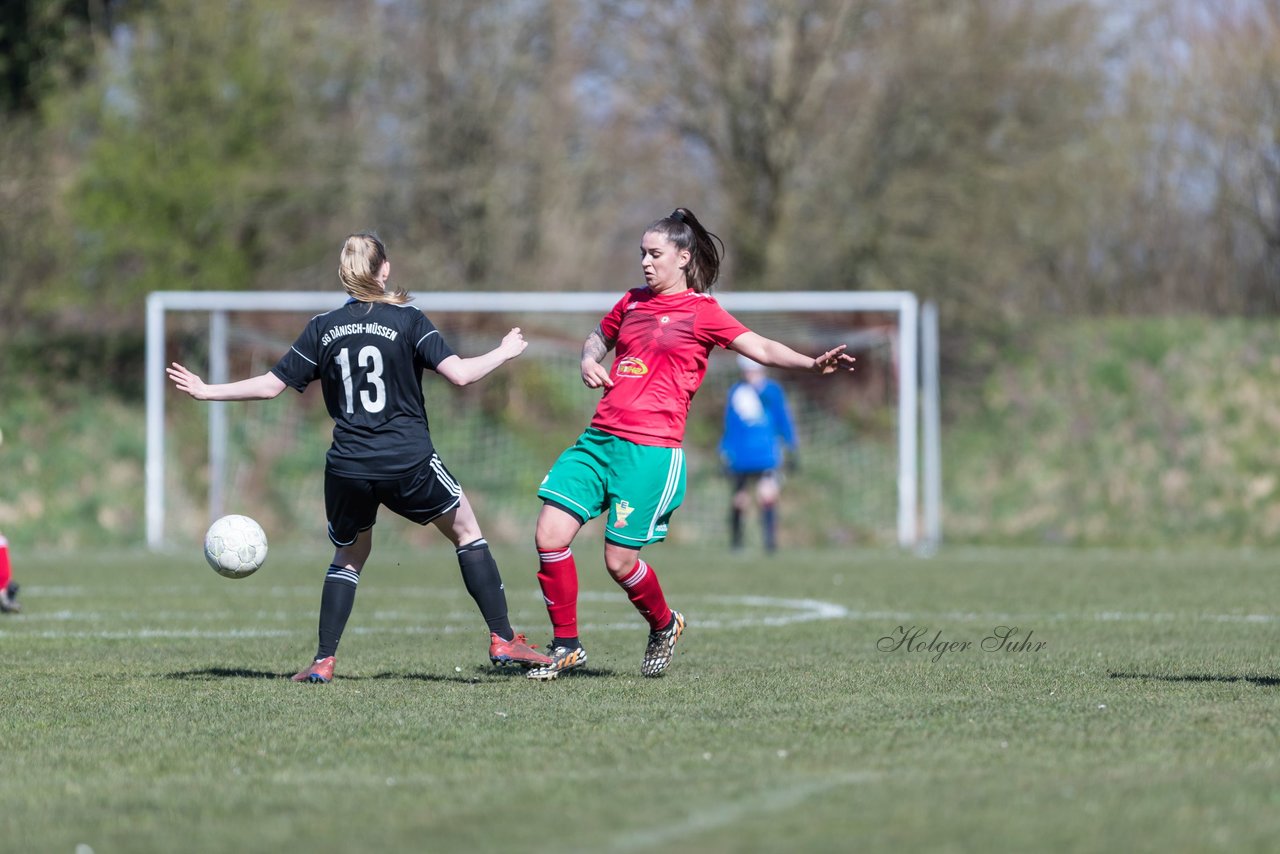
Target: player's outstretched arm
(461, 371)
(262, 387)
(595, 348)
(775, 354)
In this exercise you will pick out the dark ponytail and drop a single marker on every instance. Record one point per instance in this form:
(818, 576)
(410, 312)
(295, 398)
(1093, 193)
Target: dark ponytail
(684, 231)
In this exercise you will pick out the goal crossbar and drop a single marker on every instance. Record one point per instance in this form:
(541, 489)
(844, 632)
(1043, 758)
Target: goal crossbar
(903, 304)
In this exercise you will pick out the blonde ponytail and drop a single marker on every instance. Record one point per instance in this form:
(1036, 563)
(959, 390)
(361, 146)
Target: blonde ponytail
(362, 258)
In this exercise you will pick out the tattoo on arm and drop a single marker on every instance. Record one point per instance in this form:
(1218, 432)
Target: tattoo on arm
(595, 347)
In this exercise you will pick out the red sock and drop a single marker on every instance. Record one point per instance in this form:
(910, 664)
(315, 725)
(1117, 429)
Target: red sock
(558, 577)
(5, 572)
(645, 593)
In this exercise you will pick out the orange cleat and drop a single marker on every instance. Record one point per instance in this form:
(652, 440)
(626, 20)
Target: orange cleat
(515, 651)
(317, 672)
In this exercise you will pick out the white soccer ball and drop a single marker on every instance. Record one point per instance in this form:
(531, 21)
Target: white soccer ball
(235, 546)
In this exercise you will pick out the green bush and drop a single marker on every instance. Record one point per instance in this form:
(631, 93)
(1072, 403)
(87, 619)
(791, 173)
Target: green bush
(1133, 432)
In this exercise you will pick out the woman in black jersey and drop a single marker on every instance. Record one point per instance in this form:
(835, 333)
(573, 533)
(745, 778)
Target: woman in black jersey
(369, 356)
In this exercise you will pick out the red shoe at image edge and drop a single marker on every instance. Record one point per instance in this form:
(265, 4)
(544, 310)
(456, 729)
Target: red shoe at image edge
(318, 672)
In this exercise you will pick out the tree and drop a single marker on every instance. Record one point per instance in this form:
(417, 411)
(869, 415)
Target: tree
(45, 46)
(44, 42)
(970, 172)
(1231, 111)
(485, 164)
(749, 83)
(213, 148)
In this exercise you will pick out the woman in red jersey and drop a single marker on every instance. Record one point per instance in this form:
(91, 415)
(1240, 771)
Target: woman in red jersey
(8, 587)
(629, 462)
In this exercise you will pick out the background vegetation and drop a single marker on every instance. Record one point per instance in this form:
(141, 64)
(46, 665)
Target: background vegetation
(1090, 190)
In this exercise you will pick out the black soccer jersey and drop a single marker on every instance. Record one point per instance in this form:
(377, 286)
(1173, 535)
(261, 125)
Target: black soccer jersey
(369, 358)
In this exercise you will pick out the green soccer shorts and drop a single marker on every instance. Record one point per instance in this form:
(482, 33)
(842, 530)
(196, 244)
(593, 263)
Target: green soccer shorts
(639, 486)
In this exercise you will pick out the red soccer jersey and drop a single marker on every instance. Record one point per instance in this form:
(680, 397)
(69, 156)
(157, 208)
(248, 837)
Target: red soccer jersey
(662, 346)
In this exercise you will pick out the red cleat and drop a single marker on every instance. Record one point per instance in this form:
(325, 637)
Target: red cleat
(318, 671)
(515, 651)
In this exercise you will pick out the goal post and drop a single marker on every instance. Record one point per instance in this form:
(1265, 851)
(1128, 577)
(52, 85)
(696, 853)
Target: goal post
(914, 362)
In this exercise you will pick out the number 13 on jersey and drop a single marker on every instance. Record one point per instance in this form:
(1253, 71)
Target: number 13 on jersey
(373, 398)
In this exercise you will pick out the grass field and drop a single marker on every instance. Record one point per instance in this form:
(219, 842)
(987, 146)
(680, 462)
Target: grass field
(146, 708)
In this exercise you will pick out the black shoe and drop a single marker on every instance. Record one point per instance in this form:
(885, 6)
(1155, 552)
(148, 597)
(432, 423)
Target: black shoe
(9, 599)
(563, 659)
(662, 646)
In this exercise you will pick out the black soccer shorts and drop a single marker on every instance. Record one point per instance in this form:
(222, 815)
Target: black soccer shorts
(423, 495)
(743, 479)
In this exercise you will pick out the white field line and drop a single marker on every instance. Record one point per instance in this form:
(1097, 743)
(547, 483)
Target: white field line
(996, 617)
(718, 612)
(731, 812)
(736, 613)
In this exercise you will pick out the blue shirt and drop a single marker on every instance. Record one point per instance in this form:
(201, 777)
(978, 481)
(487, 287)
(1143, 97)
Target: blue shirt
(757, 424)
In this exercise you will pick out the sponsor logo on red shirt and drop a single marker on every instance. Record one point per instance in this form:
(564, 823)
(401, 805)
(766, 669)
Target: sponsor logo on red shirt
(631, 366)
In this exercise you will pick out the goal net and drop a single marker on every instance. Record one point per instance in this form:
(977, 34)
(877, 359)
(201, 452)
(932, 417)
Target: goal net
(856, 483)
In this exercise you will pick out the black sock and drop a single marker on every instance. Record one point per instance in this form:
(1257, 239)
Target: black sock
(335, 607)
(484, 583)
(769, 518)
(735, 528)
(567, 643)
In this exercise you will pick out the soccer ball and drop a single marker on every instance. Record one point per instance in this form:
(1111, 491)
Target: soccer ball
(235, 546)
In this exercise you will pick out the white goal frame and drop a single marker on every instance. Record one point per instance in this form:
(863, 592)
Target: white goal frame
(918, 381)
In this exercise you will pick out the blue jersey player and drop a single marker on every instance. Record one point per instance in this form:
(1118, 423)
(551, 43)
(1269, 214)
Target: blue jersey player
(757, 433)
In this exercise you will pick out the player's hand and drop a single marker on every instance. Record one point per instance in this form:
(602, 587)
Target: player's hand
(185, 380)
(513, 343)
(793, 463)
(833, 360)
(595, 375)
